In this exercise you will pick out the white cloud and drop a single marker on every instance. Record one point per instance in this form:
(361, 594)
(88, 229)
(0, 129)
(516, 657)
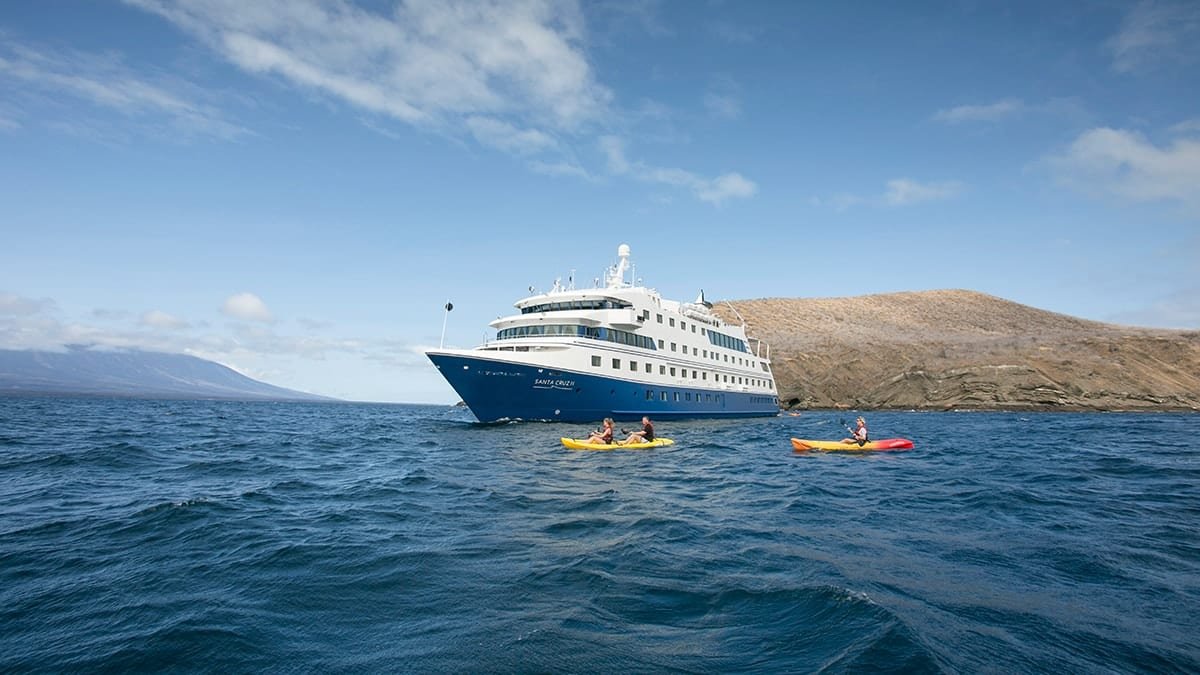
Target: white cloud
(104, 81)
(563, 168)
(160, 319)
(15, 305)
(247, 306)
(991, 112)
(1105, 161)
(712, 190)
(902, 191)
(897, 192)
(1154, 32)
(424, 63)
(515, 76)
(504, 136)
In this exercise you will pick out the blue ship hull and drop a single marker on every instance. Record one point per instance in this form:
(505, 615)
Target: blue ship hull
(500, 390)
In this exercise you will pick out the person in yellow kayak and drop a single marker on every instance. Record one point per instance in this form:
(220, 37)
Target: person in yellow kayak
(604, 435)
(860, 433)
(646, 435)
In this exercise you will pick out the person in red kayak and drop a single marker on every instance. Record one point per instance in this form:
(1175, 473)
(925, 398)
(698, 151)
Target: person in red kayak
(860, 433)
(604, 435)
(646, 435)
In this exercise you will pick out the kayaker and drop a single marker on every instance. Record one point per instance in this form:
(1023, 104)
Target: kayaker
(604, 435)
(646, 435)
(860, 433)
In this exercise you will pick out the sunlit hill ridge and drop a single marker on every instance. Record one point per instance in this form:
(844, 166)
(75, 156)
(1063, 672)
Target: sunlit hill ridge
(964, 349)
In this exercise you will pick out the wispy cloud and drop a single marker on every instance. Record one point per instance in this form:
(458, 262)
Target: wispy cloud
(15, 305)
(512, 76)
(504, 136)
(425, 63)
(1106, 161)
(247, 306)
(158, 101)
(897, 192)
(159, 319)
(904, 191)
(1155, 31)
(713, 190)
(990, 112)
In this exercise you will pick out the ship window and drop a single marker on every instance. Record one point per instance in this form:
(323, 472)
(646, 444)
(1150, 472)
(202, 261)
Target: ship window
(649, 394)
(708, 397)
(645, 315)
(659, 316)
(687, 396)
(662, 395)
(647, 367)
(662, 370)
(660, 344)
(677, 397)
(672, 346)
(633, 365)
(683, 372)
(693, 374)
(616, 363)
(672, 371)
(682, 325)
(704, 376)
(703, 331)
(693, 328)
(596, 361)
(685, 349)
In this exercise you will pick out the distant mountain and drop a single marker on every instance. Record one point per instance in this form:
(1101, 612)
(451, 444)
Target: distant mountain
(93, 372)
(964, 349)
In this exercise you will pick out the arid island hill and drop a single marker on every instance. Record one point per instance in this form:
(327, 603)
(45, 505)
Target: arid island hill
(968, 350)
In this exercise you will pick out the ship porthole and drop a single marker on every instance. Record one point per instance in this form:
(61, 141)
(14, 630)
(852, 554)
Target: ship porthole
(466, 367)
(556, 412)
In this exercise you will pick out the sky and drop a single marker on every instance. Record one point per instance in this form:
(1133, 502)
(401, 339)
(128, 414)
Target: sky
(295, 189)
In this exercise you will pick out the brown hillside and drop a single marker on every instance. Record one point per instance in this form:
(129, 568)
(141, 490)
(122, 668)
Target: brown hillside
(941, 349)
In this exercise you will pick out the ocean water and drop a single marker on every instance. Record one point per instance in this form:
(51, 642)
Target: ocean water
(311, 537)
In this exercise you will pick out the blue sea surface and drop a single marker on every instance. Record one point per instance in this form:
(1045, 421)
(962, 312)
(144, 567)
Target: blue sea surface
(223, 536)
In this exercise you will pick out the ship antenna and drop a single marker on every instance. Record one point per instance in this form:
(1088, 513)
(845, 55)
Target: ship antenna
(616, 274)
(446, 316)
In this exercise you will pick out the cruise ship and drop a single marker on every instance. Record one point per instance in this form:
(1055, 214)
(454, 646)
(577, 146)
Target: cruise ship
(616, 350)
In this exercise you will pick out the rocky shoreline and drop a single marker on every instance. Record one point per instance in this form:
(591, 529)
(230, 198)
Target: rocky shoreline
(963, 350)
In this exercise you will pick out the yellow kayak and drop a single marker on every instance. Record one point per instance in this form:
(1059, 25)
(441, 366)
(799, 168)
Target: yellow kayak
(576, 444)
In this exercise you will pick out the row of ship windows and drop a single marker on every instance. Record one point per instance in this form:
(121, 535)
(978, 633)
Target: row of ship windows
(621, 337)
(575, 304)
(683, 372)
(718, 339)
(609, 334)
(707, 397)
